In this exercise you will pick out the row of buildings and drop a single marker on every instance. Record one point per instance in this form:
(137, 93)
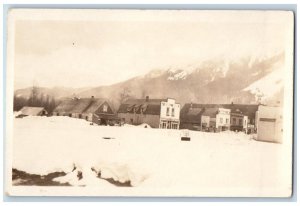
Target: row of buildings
(167, 114)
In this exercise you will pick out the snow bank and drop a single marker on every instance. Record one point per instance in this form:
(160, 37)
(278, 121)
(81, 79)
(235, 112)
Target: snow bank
(148, 158)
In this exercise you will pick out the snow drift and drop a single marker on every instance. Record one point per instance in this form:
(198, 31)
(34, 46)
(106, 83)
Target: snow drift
(147, 158)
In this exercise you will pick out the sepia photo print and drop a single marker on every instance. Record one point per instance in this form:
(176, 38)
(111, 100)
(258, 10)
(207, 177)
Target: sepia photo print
(188, 103)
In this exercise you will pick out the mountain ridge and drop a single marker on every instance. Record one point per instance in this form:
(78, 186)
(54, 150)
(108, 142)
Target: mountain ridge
(211, 81)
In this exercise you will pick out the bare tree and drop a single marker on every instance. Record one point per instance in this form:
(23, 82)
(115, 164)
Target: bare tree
(33, 99)
(124, 95)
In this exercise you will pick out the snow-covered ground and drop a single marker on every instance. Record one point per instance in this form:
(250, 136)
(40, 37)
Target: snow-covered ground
(149, 158)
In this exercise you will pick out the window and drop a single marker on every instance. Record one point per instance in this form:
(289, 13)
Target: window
(227, 120)
(240, 122)
(173, 112)
(80, 116)
(163, 125)
(104, 108)
(234, 121)
(168, 111)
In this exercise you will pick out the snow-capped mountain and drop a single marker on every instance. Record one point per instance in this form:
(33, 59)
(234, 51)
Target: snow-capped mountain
(219, 80)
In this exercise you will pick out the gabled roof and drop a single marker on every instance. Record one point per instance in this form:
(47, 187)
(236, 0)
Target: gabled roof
(151, 106)
(65, 106)
(194, 111)
(95, 105)
(32, 111)
(79, 105)
(210, 112)
(190, 114)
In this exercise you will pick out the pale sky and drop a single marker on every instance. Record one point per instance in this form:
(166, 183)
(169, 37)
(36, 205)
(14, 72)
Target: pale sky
(95, 51)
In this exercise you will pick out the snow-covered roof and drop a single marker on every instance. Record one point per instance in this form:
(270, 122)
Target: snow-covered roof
(82, 105)
(31, 111)
(150, 106)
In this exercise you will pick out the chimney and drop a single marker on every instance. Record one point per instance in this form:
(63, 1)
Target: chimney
(147, 98)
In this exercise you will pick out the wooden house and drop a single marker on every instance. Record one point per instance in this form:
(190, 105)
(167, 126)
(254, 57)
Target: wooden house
(193, 116)
(238, 120)
(158, 113)
(97, 110)
(190, 117)
(32, 111)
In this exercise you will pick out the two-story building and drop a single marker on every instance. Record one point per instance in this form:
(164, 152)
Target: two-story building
(169, 114)
(190, 117)
(97, 110)
(204, 117)
(223, 119)
(158, 113)
(238, 121)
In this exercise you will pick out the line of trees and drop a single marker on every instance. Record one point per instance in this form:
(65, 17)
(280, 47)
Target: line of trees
(36, 99)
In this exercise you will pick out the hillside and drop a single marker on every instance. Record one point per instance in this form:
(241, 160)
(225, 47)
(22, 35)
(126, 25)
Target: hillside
(213, 81)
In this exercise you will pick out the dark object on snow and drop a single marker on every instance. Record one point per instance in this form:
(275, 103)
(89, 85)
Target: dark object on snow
(108, 137)
(185, 139)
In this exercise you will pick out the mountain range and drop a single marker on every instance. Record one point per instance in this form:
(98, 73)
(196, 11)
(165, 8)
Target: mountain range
(244, 80)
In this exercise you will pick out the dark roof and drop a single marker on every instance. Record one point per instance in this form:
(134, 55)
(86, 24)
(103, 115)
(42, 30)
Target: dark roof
(65, 106)
(79, 105)
(190, 115)
(246, 109)
(151, 106)
(95, 104)
(211, 112)
(31, 111)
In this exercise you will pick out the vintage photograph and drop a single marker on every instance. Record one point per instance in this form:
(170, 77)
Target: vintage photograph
(188, 103)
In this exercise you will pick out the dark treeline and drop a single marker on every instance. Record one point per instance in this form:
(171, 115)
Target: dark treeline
(35, 99)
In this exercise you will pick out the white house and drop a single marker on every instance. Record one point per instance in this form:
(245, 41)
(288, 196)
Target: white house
(223, 119)
(169, 114)
(158, 113)
(269, 124)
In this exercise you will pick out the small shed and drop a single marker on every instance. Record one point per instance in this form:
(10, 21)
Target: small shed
(32, 111)
(269, 124)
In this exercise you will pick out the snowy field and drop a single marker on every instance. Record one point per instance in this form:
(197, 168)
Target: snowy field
(153, 160)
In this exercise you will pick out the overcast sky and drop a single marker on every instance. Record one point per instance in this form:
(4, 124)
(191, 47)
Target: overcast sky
(96, 51)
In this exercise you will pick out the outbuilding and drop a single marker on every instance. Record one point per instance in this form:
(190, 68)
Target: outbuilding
(32, 111)
(269, 124)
